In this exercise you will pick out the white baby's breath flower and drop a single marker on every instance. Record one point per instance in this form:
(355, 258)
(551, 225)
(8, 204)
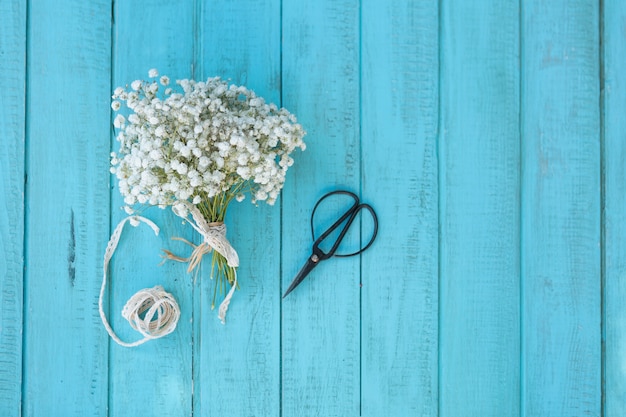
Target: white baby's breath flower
(261, 195)
(185, 151)
(182, 169)
(243, 172)
(198, 139)
(180, 210)
(203, 162)
(156, 154)
(119, 121)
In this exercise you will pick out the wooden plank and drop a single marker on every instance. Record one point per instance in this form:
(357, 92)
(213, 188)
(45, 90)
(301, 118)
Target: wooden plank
(561, 352)
(12, 130)
(400, 111)
(614, 256)
(67, 221)
(479, 212)
(320, 319)
(238, 364)
(156, 378)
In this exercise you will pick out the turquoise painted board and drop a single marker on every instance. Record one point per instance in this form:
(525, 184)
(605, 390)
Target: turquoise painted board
(12, 130)
(320, 319)
(65, 367)
(237, 368)
(487, 135)
(160, 373)
(479, 153)
(614, 194)
(561, 293)
(399, 120)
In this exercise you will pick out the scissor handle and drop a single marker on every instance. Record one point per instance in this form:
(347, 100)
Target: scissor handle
(350, 215)
(373, 213)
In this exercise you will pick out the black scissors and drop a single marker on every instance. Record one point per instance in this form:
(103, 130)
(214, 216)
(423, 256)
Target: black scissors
(318, 254)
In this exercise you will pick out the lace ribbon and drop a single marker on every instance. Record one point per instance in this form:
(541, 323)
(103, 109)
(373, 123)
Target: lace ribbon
(152, 312)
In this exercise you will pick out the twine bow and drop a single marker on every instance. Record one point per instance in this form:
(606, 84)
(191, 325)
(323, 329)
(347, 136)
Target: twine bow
(214, 238)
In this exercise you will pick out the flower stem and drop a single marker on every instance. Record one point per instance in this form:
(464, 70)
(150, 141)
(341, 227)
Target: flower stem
(214, 210)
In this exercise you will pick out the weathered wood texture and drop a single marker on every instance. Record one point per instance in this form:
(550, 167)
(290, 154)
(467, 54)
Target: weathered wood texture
(320, 320)
(65, 369)
(149, 34)
(488, 136)
(561, 259)
(614, 193)
(12, 177)
(479, 189)
(399, 331)
(237, 369)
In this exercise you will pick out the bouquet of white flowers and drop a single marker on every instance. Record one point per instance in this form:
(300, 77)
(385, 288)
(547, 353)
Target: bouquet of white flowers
(198, 149)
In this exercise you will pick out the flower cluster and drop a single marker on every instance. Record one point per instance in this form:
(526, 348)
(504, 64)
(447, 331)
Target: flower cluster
(196, 147)
(210, 140)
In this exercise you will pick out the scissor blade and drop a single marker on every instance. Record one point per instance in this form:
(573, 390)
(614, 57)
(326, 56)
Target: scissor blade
(308, 267)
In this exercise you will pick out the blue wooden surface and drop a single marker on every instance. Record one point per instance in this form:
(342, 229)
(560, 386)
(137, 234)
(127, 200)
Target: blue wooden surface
(237, 371)
(614, 196)
(320, 320)
(488, 135)
(561, 259)
(67, 208)
(162, 369)
(12, 131)
(479, 189)
(399, 120)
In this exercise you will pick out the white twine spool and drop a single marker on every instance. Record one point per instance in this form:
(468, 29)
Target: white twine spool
(152, 312)
(151, 302)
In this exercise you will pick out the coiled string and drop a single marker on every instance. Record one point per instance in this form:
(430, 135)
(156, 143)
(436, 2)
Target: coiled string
(153, 312)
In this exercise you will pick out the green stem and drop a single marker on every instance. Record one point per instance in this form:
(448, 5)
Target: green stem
(214, 210)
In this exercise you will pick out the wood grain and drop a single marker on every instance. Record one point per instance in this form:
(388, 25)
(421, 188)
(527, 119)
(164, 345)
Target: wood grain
(65, 353)
(12, 176)
(561, 352)
(156, 378)
(320, 319)
(614, 256)
(488, 136)
(399, 274)
(479, 155)
(237, 365)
